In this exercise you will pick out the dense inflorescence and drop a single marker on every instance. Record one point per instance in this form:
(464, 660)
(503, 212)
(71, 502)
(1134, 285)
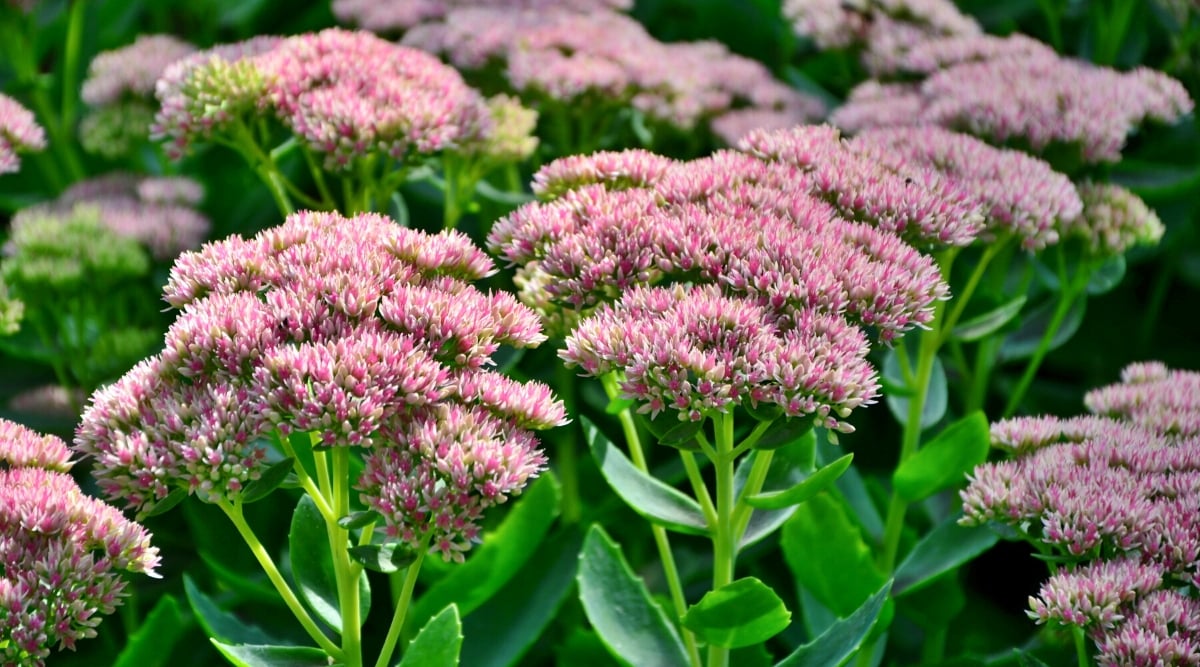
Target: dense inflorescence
(355, 331)
(61, 551)
(1116, 494)
(19, 133)
(400, 15)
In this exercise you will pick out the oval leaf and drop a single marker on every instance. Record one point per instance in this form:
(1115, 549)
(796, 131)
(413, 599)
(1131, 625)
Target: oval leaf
(1107, 275)
(784, 432)
(981, 325)
(936, 397)
(257, 655)
(1022, 343)
(943, 549)
(358, 519)
(789, 465)
(151, 645)
(312, 566)
(385, 558)
(742, 613)
(171, 500)
(268, 481)
(633, 627)
(945, 460)
(438, 643)
(681, 433)
(648, 496)
(826, 552)
(220, 624)
(811, 486)
(842, 639)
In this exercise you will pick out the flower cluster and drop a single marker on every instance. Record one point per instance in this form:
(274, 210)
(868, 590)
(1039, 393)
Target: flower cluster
(400, 15)
(19, 132)
(157, 212)
(1117, 494)
(60, 550)
(771, 283)
(354, 330)
(605, 59)
(344, 94)
(1013, 90)
(120, 91)
(1114, 220)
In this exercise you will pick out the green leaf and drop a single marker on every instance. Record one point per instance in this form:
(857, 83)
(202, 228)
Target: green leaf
(1028, 659)
(986, 323)
(633, 627)
(1022, 343)
(302, 447)
(842, 639)
(438, 643)
(783, 432)
(943, 549)
(385, 558)
(936, 604)
(499, 638)
(257, 655)
(945, 460)
(361, 519)
(789, 465)
(1160, 181)
(221, 624)
(617, 405)
(811, 486)
(258, 589)
(649, 497)
(171, 500)
(312, 566)
(826, 552)
(151, 644)
(1107, 275)
(268, 481)
(741, 613)
(499, 557)
(936, 398)
(681, 433)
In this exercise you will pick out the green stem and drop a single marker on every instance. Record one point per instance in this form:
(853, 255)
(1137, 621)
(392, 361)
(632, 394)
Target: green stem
(234, 512)
(268, 172)
(1081, 652)
(724, 540)
(962, 299)
(402, 603)
(345, 571)
(754, 484)
(670, 571)
(1071, 291)
(566, 448)
(1053, 22)
(699, 488)
(70, 91)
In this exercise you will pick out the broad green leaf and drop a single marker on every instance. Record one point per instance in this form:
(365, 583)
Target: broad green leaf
(842, 639)
(826, 552)
(151, 644)
(809, 487)
(943, 549)
(361, 519)
(1022, 343)
(220, 624)
(853, 491)
(500, 638)
(633, 627)
(172, 499)
(741, 613)
(270, 480)
(936, 398)
(784, 432)
(945, 460)
(1106, 276)
(438, 643)
(385, 558)
(986, 323)
(649, 497)
(499, 557)
(312, 566)
(789, 465)
(257, 655)
(681, 434)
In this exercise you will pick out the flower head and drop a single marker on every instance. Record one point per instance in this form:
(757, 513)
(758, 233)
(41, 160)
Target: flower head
(399, 15)
(131, 71)
(19, 133)
(1113, 220)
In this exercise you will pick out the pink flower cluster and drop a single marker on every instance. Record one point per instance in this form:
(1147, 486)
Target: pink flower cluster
(131, 71)
(158, 212)
(1114, 220)
(345, 94)
(1010, 90)
(60, 550)
(774, 280)
(355, 330)
(608, 59)
(400, 15)
(1118, 493)
(19, 132)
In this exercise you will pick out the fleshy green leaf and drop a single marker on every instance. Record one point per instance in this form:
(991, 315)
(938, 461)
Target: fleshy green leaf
(358, 519)
(218, 623)
(270, 480)
(789, 465)
(1023, 342)
(945, 460)
(986, 323)
(150, 645)
(438, 643)
(499, 557)
(256, 655)
(385, 558)
(633, 627)
(742, 613)
(826, 552)
(784, 432)
(943, 549)
(1107, 276)
(842, 639)
(171, 500)
(809, 487)
(681, 433)
(500, 638)
(649, 497)
(312, 565)
(936, 398)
